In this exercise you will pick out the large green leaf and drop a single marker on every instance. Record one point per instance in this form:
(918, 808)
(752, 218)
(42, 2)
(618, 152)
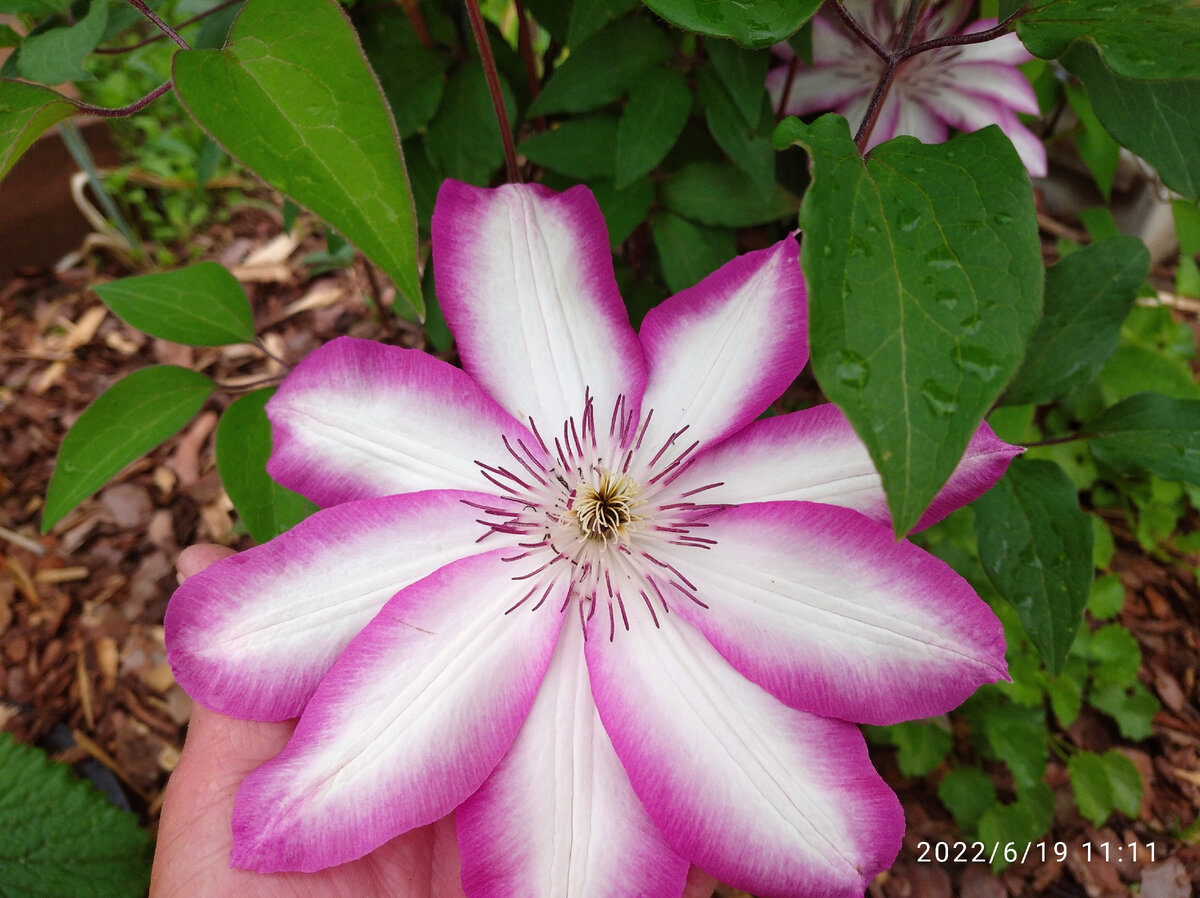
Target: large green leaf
(653, 119)
(1150, 432)
(1146, 39)
(1155, 119)
(293, 98)
(924, 272)
(243, 447)
(26, 110)
(57, 55)
(1088, 296)
(203, 305)
(752, 23)
(124, 423)
(718, 195)
(61, 836)
(605, 67)
(1036, 547)
(582, 146)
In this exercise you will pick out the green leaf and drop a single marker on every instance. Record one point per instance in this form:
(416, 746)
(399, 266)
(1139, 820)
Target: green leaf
(924, 274)
(1106, 597)
(413, 77)
(589, 16)
(1036, 547)
(623, 209)
(920, 746)
(1149, 432)
(26, 110)
(1099, 152)
(750, 151)
(463, 140)
(715, 194)
(967, 792)
(1017, 736)
(1014, 827)
(243, 447)
(689, 252)
(1088, 296)
(9, 37)
(744, 74)
(1115, 656)
(1141, 369)
(1133, 708)
(61, 836)
(1066, 691)
(124, 423)
(57, 55)
(752, 23)
(1155, 119)
(39, 8)
(1125, 780)
(1091, 786)
(605, 67)
(1144, 39)
(653, 119)
(581, 147)
(320, 132)
(203, 305)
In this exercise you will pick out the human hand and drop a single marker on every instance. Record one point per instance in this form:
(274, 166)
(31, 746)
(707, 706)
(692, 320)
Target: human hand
(194, 835)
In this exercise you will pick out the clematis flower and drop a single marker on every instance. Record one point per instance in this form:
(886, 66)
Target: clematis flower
(966, 87)
(577, 592)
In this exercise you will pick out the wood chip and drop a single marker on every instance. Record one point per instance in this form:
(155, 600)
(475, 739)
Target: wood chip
(318, 298)
(84, 682)
(274, 251)
(61, 574)
(84, 329)
(21, 578)
(48, 378)
(25, 542)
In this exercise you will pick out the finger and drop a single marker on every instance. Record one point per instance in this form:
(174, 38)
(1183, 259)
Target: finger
(194, 559)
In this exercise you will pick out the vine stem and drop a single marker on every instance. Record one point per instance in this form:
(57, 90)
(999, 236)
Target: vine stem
(493, 81)
(793, 65)
(113, 51)
(1054, 441)
(904, 51)
(140, 6)
(135, 106)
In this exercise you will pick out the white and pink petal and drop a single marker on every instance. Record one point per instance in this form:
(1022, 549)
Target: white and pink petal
(358, 419)
(253, 634)
(722, 351)
(814, 455)
(414, 716)
(558, 817)
(525, 281)
(824, 609)
(766, 798)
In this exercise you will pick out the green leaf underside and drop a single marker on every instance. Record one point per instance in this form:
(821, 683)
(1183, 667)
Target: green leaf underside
(924, 276)
(1150, 432)
(243, 447)
(1088, 296)
(1146, 39)
(1155, 119)
(1035, 544)
(61, 836)
(752, 23)
(721, 196)
(653, 119)
(603, 68)
(57, 55)
(26, 111)
(203, 305)
(321, 133)
(124, 423)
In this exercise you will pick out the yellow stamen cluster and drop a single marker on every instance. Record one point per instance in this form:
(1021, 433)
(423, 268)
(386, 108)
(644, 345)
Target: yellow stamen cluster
(605, 510)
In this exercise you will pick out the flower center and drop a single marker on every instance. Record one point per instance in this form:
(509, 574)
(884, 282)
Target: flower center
(605, 510)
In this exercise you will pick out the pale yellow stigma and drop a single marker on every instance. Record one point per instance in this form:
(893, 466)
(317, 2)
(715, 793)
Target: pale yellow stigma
(606, 510)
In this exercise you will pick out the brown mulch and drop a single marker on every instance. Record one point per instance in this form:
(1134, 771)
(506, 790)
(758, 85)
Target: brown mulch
(81, 608)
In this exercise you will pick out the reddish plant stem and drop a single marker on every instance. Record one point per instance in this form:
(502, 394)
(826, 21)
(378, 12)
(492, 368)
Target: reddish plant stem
(413, 10)
(162, 26)
(113, 51)
(895, 57)
(793, 65)
(493, 80)
(122, 111)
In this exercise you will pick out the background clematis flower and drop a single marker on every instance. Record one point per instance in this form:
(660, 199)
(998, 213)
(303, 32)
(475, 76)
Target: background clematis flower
(965, 87)
(577, 592)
